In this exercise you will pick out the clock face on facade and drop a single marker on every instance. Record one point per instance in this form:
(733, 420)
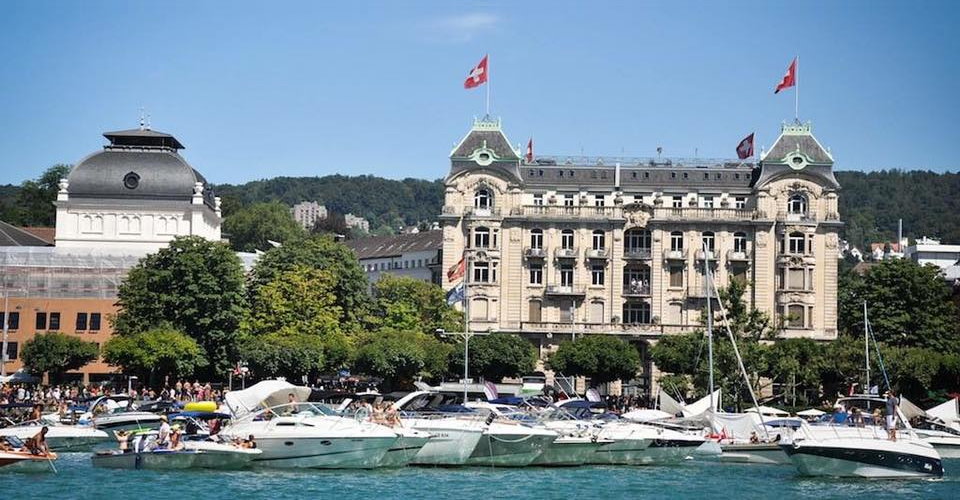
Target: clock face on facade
(797, 162)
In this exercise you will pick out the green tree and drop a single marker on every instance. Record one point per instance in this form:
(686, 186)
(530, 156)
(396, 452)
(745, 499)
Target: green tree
(56, 353)
(409, 304)
(289, 355)
(34, 202)
(796, 364)
(155, 354)
(251, 227)
(319, 252)
(195, 286)
(400, 356)
(601, 358)
(496, 356)
(908, 304)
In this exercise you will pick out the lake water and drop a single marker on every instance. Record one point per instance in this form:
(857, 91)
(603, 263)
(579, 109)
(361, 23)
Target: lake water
(692, 479)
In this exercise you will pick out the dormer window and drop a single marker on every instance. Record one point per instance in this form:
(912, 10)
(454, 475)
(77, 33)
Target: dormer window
(483, 199)
(797, 204)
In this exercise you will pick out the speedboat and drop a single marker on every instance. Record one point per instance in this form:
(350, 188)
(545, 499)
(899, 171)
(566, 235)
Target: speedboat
(219, 455)
(14, 457)
(59, 437)
(745, 438)
(861, 452)
(452, 439)
(118, 412)
(302, 435)
(925, 425)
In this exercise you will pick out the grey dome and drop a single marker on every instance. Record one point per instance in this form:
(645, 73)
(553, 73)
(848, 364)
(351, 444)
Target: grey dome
(136, 172)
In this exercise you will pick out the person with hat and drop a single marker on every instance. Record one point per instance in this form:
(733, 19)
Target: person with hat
(163, 435)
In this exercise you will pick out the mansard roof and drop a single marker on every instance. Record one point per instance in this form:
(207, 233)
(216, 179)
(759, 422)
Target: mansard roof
(797, 152)
(485, 147)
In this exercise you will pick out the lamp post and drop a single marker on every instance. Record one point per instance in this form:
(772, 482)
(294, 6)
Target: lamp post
(466, 336)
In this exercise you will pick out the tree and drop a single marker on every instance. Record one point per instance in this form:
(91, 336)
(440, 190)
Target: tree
(319, 252)
(56, 354)
(601, 358)
(155, 354)
(35, 198)
(410, 304)
(195, 286)
(334, 225)
(496, 356)
(289, 355)
(400, 356)
(251, 227)
(796, 364)
(908, 304)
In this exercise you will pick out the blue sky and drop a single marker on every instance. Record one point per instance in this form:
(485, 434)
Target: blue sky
(256, 90)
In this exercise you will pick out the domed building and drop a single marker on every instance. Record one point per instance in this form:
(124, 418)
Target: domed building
(135, 196)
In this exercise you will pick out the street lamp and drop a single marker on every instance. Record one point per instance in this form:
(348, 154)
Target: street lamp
(466, 336)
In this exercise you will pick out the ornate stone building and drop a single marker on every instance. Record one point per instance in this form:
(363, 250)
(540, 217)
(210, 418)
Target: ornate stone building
(559, 247)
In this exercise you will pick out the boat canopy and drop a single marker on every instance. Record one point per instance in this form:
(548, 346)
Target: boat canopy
(812, 412)
(768, 411)
(948, 411)
(263, 394)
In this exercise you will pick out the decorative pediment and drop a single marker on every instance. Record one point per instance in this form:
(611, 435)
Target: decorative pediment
(637, 215)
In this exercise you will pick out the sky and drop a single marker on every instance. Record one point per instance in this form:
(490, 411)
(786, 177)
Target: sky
(261, 89)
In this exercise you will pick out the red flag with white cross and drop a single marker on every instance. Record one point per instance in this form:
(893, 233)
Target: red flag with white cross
(478, 75)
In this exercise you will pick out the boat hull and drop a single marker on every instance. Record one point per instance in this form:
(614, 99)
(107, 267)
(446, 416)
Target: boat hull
(61, 438)
(567, 452)
(667, 451)
(221, 456)
(448, 445)
(626, 451)
(761, 454)
(322, 452)
(509, 450)
(152, 460)
(404, 450)
(856, 460)
(25, 462)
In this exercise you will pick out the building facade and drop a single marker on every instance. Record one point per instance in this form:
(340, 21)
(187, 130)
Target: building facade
(307, 213)
(557, 247)
(415, 255)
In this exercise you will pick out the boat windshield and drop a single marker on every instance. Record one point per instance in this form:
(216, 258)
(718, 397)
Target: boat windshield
(296, 410)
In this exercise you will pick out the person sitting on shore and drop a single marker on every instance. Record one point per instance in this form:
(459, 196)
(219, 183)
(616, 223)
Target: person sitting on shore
(38, 443)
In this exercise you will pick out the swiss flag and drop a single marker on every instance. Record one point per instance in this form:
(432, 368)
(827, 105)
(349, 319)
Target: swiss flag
(745, 148)
(789, 79)
(530, 151)
(477, 76)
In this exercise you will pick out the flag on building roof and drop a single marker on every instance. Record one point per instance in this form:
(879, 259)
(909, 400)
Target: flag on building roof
(789, 79)
(530, 150)
(478, 75)
(457, 270)
(457, 294)
(745, 148)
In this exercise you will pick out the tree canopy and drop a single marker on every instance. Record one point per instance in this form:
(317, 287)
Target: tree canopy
(155, 354)
(410, 304)
(496, 356)
(57, 353)
(32, 203)
(400, 356)
(195, 286)
(599, 357)
(251, 227)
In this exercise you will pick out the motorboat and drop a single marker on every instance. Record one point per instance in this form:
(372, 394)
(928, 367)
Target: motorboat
(861, 452)
(214, 454)
(746, 437)
(944, 438)
(302, 435)
(452, 439)
(59, 437)
(14, 457)
(154, 459)
(118, 412)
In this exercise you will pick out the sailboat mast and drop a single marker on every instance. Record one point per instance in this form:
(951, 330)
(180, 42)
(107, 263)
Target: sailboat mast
(709, 283)
(866, 349)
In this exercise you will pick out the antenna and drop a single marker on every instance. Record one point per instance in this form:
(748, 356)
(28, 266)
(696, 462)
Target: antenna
(143, 120)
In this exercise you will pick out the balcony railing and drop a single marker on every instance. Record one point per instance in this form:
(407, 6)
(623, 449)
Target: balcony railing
(675, 254)
(567, 212)
(534, 252)
(738, 256)
(565, 290)
(701, 290)
(608, 328)
(482, 212)
(597, 253)
(709, 254)
(701, 214)
(565, 253)
(808, 216)
(635, 253)
(636, 290)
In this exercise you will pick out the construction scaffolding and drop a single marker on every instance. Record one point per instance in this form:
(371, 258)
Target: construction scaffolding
(50, 272)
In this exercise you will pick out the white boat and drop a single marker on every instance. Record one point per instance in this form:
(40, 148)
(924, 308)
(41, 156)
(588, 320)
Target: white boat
(733, 432)
(217, 455)
(452, 439)
(153, 459)
(861, 452)
(302, 435)
(408, 445)
(59, 437)
(118, 412)
(510, 444)
(569, 451)
(19, 459)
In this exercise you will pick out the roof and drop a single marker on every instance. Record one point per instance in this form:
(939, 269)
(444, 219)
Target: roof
(47, 234)
(392, 246)
(12, 236)
(645, 174)
(142, 137)
(797, 153)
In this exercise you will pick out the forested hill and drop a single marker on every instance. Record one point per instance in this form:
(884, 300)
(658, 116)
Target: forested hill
(383, 202)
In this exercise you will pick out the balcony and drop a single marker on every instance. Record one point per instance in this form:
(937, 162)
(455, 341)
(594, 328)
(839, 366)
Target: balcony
(738, 256)
(597, 253)
(534, 253)
(675, 254)
(636, 290)
(636, 253)
(796, 259)
(808, 216)
(629, 329)
(694, 214)
(565, 253)
(565, 291)
(701, 290)
(578, 212)
(708, 255)
(481, 213)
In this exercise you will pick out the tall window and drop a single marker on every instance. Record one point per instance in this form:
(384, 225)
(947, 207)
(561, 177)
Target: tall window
(636, 279)
(708, 201)
(596, 275)
(636, 313)
(482, 199)
(566, 239)
(534, 312)
(676, 276)
(54, 321)
(81, 322)
(481, 272)
(599, 240)
(795, 316)
(740, 242)
(538, 199)
(796, 243)
(13, 320)
(797, 204)
(637, 240)
(94, 322)
(708, 241)
(536, 238)
(481, 237)
(536, 274)
(676, 241)
(568, 200)
(566, 274)
(41, 323)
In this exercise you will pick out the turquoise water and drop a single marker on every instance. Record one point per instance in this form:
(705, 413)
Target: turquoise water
(692, 479)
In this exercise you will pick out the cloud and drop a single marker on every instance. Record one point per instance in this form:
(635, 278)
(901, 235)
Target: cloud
(463, 27)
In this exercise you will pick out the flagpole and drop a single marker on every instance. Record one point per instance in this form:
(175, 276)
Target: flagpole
(796, 94)
(488, 85)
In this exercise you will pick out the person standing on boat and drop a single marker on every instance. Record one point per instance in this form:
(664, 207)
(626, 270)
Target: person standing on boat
(163, 434)
(893, 404)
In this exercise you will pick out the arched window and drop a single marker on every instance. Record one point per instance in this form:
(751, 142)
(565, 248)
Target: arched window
(797, 204)
(481, 237)
(708, 241)
(566, 239)
(483, 199)
(599, 240)
(796, 243)
(536, 238)
(740, 242)
(676, 241)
